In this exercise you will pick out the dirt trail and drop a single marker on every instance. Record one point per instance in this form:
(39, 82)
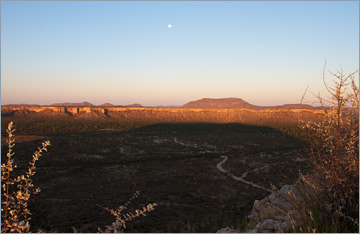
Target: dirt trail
(220, 168)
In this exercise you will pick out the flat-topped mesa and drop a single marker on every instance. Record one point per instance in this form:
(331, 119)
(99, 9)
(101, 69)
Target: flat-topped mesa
(164, 114)
(220, 103)
(9, 108)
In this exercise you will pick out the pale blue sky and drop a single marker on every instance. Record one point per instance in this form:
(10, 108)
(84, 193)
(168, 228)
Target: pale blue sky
(123, 52)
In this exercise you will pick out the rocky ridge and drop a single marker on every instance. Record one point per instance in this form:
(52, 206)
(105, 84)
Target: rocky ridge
(213, 115)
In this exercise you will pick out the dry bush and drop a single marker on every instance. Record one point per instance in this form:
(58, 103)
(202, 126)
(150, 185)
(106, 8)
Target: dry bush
(330, 199)
(122, 216)
(16, 191)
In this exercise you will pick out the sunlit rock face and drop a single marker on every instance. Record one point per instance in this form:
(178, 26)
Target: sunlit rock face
(216, 115)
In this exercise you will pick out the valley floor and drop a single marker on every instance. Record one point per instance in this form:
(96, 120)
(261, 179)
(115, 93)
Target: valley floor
(203, 176)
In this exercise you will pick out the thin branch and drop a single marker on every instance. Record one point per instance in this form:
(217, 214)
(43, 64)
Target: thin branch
(326, 86)
(302, 98)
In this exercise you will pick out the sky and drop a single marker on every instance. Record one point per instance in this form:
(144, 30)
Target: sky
(266, 53)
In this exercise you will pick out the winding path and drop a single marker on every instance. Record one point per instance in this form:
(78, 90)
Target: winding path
(220, 168)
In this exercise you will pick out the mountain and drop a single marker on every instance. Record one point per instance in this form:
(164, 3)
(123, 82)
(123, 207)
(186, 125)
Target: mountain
(73, 104)
(135, 105)
(296, 106)
(21, 105)
(106, 104)
(238, 103)
(169, 106)
(130, 105)
(229, 103)
(220, 103)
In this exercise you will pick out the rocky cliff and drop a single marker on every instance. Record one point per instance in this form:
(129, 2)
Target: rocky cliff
(150, 114)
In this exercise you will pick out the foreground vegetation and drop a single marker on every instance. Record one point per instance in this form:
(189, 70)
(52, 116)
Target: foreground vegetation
(16, 191)
(331, 200)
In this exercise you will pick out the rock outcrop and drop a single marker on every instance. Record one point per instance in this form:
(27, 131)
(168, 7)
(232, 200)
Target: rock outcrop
(276, 212)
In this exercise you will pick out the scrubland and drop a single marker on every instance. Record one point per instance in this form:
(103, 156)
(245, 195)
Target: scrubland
(173, 165)
(95, 163)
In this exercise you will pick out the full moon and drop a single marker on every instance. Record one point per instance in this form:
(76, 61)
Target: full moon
(169, 26)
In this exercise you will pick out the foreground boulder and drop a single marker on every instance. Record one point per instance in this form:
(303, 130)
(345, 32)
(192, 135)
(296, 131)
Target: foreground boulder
(276, 212)
(227, 230)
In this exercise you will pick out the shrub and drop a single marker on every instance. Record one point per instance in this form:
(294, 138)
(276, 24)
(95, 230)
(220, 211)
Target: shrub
(122, 216)
(331, 199)
(16, 191)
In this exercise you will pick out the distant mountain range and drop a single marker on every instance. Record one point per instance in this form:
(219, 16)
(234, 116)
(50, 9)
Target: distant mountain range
(238, 103)
(169, 106)
(131, 105)
(21, 105)
(135, 105)
(202, 103)
(90, 104)
(72, 104)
